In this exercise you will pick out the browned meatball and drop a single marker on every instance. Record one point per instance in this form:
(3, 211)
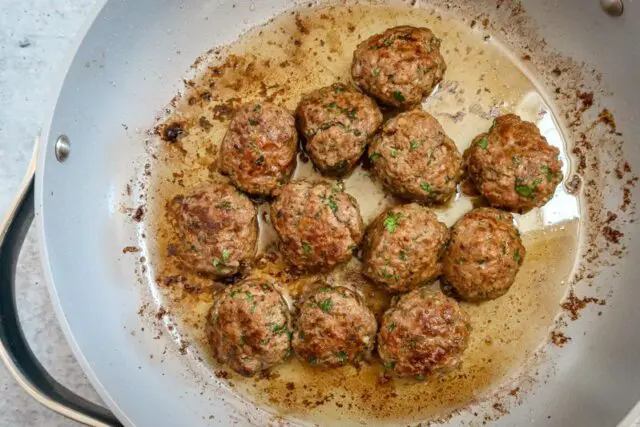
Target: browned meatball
(484, 254)
(422, 333)
(334, 327)
(399, 67)
(259, 149)
(249, 326)
(319, 224)
(403, 246)
(513, 166)
(216, 227)
(337, 122)
(414, 158)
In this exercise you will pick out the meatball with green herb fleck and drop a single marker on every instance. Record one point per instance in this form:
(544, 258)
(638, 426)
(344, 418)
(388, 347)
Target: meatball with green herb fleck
(337, 122)
(414, 158)
(423, 332)
(258, 152)
(403, 246)
(513, 166)
(333, 328)
(216, 229)
(318, 223)
(400, 66)
(249, 326)
(484, 255)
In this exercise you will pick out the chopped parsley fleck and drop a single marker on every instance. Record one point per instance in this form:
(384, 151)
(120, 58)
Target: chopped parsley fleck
(394, 152)
(376, 71)
(324, 289)
(420, 377)
(226, 205)
(391, 222)
(248, 296)
(332, 205)
(426, 187)
(516, 255)
(332, 106)
(306, 247)
(390, 365)
(278, 329)
(386, 274)
(483, 143)
(548, 173)
(234, 293)
(391, 326)
(403, 255)
(415, 144)
(225, 254)
(253, 122)
(257, 108)
(342, 356)
(398, 96)
(326, 305)
(352, 114)
(527, 190)
(338, 88)
(356, 132)
(265, 286)
(387, 42)
(515, 160)
(374, 156)
(254, 307)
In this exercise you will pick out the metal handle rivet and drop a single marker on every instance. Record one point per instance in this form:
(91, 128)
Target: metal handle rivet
(63, 148)
(612, 7)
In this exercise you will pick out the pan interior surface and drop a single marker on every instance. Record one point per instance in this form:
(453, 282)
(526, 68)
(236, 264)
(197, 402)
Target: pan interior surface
(308, 49)
(88, 207)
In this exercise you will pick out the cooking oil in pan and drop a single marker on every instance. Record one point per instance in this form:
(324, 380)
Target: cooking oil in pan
(296, 53)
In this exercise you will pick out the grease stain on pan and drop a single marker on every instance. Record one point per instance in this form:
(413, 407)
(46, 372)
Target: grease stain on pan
(297, 53)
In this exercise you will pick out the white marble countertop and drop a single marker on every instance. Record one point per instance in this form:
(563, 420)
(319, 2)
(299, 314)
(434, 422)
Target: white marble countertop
(35, 36)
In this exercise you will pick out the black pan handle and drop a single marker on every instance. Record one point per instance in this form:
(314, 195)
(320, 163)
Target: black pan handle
(14, 350)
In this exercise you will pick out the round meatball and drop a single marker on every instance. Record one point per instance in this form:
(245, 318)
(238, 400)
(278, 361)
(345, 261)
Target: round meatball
(337, 122)
(249, 326)
(513, 166)
(334, 327)
(424, 332)
(403, 246)
(484, 254)
(259, 149)
(399, 67)
(319, 224)
(216, 227)
(414, 158)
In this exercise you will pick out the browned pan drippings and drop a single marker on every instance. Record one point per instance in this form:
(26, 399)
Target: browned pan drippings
(297, 53)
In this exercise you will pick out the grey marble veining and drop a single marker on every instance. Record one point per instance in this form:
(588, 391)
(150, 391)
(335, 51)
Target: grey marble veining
(35, 37)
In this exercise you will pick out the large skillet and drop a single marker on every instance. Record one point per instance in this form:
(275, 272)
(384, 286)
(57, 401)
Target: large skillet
(125, 66)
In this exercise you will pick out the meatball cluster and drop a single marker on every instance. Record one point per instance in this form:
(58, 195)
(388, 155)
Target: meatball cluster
(513, 166)
(249, 326)
(319, 225)
(422, 333)
(484, 254)
(414, 158)
(337, 122)
(258, 152)
(400, 66)
(217, 229)
(333, 328)
(403, 246)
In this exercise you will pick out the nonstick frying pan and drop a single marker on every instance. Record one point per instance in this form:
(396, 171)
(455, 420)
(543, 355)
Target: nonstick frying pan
(129, 62)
